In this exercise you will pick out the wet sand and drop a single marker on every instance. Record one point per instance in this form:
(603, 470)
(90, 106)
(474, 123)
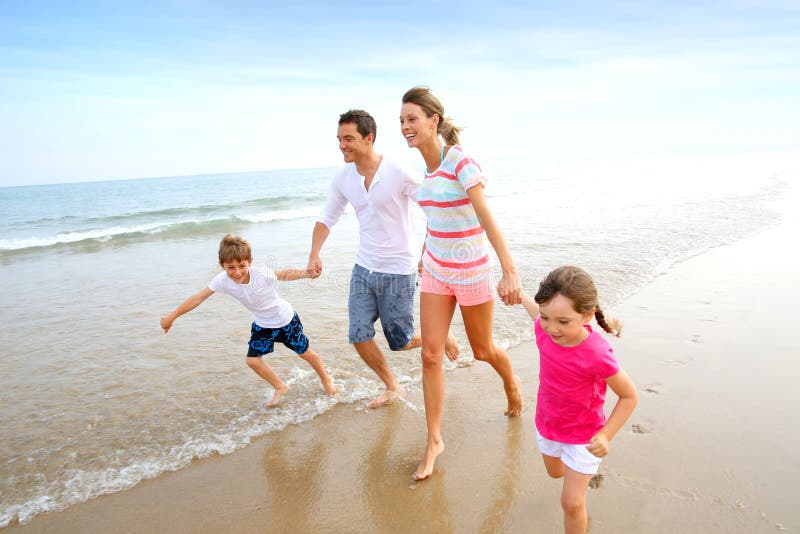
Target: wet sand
(710, 448)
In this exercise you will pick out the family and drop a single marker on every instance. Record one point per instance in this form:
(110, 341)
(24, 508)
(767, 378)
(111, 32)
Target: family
(577, 364)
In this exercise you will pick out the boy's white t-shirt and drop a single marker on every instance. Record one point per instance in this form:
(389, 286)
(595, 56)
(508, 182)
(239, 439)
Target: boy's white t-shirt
(260, 296)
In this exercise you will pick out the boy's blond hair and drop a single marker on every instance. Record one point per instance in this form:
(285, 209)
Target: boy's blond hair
(234, 248)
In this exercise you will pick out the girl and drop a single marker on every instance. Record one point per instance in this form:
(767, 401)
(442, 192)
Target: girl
(455, 265)
(575, 366)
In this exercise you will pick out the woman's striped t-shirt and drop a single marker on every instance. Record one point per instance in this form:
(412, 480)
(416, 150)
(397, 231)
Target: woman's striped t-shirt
(456, 247)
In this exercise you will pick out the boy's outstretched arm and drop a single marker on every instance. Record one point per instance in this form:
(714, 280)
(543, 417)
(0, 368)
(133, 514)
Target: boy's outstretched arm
(622, 385)
(530, 306)
(289, 275)
(185, 307)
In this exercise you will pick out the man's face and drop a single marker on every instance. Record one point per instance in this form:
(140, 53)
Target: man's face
(353, 146)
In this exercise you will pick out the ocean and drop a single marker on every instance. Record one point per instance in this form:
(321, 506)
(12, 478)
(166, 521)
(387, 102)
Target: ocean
(95, 397)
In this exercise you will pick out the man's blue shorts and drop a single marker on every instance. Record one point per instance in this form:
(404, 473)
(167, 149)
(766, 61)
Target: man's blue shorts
(262, 339)
(389, 297)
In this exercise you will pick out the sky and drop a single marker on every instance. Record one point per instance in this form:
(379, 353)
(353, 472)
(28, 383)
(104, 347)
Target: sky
(105, 90)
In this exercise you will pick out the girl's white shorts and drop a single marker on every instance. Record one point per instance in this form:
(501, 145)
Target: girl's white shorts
(576, 457)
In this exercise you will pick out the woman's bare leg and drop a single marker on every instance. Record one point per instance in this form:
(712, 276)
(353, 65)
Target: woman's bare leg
(436, 313)
(478, 321)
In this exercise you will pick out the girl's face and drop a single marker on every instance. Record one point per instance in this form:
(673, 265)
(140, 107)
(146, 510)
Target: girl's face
(562, 323)
(416, 126)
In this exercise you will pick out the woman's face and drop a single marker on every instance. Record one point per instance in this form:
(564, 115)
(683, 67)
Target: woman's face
(416, 126)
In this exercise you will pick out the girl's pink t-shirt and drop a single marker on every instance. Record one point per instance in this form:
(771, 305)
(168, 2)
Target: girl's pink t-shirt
(572, 388)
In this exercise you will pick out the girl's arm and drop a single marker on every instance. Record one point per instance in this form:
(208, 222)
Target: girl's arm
(509, 287)
(186, 306)
(530, 306)
(289, 275)
(622, 385)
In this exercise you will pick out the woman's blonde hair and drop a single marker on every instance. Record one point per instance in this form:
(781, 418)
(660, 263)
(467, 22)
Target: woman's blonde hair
(423, 97)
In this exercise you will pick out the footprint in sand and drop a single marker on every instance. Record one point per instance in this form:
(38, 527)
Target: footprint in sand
(655, 389)
(641, 428)
(596, 480)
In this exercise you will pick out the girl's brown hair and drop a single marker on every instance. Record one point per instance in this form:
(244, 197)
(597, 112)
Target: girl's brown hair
(423, 97)
(234, 248)
(575, 284)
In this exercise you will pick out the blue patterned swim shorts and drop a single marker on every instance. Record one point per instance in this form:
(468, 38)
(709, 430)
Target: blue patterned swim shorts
(262, 340)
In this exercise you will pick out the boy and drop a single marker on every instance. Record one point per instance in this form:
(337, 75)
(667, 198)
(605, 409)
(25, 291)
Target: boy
(274, 319)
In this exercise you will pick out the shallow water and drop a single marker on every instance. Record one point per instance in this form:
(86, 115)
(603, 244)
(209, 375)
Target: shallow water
(96, 398)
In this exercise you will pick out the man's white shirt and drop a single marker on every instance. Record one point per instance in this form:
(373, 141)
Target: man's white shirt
(387, 242)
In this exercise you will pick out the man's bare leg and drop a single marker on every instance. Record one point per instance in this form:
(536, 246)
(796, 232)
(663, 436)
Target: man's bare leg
(374, 358)
(451, 347)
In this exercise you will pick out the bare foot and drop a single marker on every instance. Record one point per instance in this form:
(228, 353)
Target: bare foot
(451, 347)
(386, 397)
(515, 399)
(425, 468)
(329, 386)
(276, 397)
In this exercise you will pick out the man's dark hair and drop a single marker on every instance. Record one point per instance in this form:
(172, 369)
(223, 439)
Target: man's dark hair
(364, 122)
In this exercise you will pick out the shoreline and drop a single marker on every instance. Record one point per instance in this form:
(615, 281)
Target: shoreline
(709, 447)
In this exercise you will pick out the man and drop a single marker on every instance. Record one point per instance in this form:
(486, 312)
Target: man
(382, 193)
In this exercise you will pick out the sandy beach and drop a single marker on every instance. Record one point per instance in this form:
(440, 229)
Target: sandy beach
(710, 447)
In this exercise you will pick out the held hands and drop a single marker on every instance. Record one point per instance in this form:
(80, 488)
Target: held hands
(598, 446)
(166, 323)
(510, 289)
(314, 269)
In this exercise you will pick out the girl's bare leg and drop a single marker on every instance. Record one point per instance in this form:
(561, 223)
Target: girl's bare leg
(478, 321)
(555, 467)
(260, 367)
(315, 362)
(436, 313)
(573, 501)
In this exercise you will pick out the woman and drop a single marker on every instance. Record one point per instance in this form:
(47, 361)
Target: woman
(455, 263)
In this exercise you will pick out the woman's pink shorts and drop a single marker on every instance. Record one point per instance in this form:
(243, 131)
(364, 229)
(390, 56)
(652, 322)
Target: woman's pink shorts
(466, 295)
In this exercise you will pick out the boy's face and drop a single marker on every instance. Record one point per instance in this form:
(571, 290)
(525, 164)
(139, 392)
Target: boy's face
(238, 270)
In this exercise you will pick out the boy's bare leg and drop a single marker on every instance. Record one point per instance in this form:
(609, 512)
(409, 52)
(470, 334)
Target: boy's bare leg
(260, 367)
(373, 357)
(315, 362)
